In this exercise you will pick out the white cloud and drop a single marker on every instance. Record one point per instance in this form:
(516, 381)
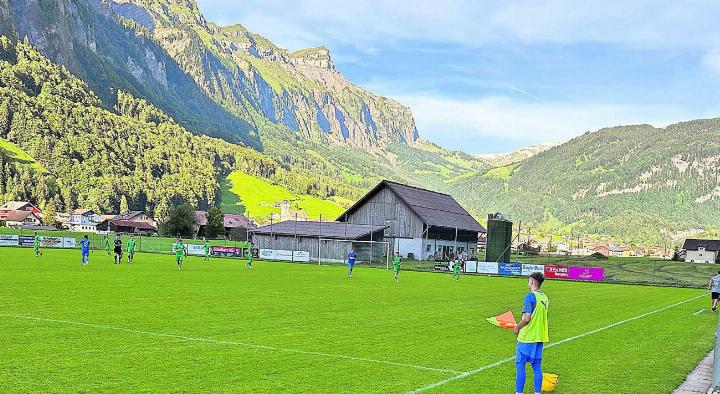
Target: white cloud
(365, 23)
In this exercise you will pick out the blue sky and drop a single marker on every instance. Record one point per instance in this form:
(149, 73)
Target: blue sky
(492, 76)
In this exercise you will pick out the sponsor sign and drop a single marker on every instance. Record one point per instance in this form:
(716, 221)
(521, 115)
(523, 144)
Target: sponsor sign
(484, 267)
(586, 273)
(26, 240)
(556, 271)
(196, 249)
(51, 242)
(510, 269)
(9, 240)
(286, 255)
(301, 255)
(69, 242)
(267, 254)
(471, 266)
(528, 269)
(226, 251)
(441, 267)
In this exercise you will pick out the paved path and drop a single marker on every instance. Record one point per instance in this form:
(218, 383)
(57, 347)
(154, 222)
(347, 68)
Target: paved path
(700, 379)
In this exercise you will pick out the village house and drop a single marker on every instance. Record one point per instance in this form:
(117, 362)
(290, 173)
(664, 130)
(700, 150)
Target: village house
(701, 250)
(13, 206)
(18, 219)
(135, 222)
(82, 220)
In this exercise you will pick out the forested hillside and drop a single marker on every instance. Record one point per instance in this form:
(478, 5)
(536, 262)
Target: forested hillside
(59, 145)
(636, 182)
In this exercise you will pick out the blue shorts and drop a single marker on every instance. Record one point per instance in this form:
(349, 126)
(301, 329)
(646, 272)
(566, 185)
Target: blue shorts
(351, 263)
(529, 352)
(86, 253)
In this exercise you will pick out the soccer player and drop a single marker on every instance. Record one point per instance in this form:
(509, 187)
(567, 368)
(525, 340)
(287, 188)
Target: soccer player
(131, 249)
(36, 245)
(396, 266)
(117, 249)
(85, 250)
(207, 249)
(532, 332)
(249, 256)
(179, 249)
(714, 287)
(106, 244)
(456, 267)
(352, 256)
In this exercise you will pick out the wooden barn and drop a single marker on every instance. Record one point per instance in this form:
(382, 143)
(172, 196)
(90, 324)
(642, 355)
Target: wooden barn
(326, 241)
(418, 223)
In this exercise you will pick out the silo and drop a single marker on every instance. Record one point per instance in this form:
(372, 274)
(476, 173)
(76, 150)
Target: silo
(499, 239)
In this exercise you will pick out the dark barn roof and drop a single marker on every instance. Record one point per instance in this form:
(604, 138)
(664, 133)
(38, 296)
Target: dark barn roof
(335, 230)
(435, 209)
(711, 245)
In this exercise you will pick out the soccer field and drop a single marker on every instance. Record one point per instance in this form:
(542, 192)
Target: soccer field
(217, 326)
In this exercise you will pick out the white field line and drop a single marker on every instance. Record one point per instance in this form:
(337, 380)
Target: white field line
(552, 344)
(232, 343)
(699, 312)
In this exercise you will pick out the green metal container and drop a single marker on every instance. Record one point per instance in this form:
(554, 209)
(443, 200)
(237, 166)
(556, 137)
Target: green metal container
(499, 239)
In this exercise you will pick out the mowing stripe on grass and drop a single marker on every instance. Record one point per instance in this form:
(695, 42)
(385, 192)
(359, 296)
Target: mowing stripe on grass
(553, 344)
(219, 342)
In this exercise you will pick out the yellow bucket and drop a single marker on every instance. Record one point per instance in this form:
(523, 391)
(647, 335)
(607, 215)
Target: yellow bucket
(550, 381)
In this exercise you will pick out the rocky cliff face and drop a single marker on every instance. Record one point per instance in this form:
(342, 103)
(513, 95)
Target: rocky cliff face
(87, 37)
(250, 76)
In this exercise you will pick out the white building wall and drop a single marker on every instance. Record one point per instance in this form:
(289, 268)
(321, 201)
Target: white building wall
(700, 256)
(409, 245)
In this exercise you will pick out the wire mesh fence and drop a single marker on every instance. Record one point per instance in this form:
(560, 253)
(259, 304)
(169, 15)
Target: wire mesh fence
(102, 241)
(375, 254)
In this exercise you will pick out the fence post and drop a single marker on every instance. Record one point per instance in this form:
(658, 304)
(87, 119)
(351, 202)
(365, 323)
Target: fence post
(654, 271)
(692, 277)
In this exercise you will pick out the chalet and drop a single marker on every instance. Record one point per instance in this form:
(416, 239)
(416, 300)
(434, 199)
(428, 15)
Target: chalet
(418, 223)
(701, 250)
(603, 250)
(12, 206)
(230, 222)
(326, 241)
(136, 222)
(19, 219)
(82, 220)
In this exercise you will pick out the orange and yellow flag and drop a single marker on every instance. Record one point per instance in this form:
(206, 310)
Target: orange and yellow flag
(506, 320)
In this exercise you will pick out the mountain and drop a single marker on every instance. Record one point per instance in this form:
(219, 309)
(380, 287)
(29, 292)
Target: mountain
(219, 81)
(520, 154)
(61, 146)
(639, 183)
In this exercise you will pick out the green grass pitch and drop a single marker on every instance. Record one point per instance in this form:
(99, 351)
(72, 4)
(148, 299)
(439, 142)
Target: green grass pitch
(217, 326)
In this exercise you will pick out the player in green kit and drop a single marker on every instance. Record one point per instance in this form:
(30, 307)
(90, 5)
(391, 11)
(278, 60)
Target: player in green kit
(179, 249)
(106, 244)
(207, 250)
(131, 249)
(457, 265)
(249, 256)
(396, 266)
(36, 245)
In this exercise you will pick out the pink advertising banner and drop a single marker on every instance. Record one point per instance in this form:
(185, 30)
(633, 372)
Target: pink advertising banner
(586, 273)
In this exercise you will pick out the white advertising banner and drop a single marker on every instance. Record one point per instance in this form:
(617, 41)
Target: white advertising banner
(528, 269)
(196, 249)
(286, 255)
(471, 266)
(301, 255)
(484, 267)
(9, 240)
(266, 254)
(51, 242)
(69, 242)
